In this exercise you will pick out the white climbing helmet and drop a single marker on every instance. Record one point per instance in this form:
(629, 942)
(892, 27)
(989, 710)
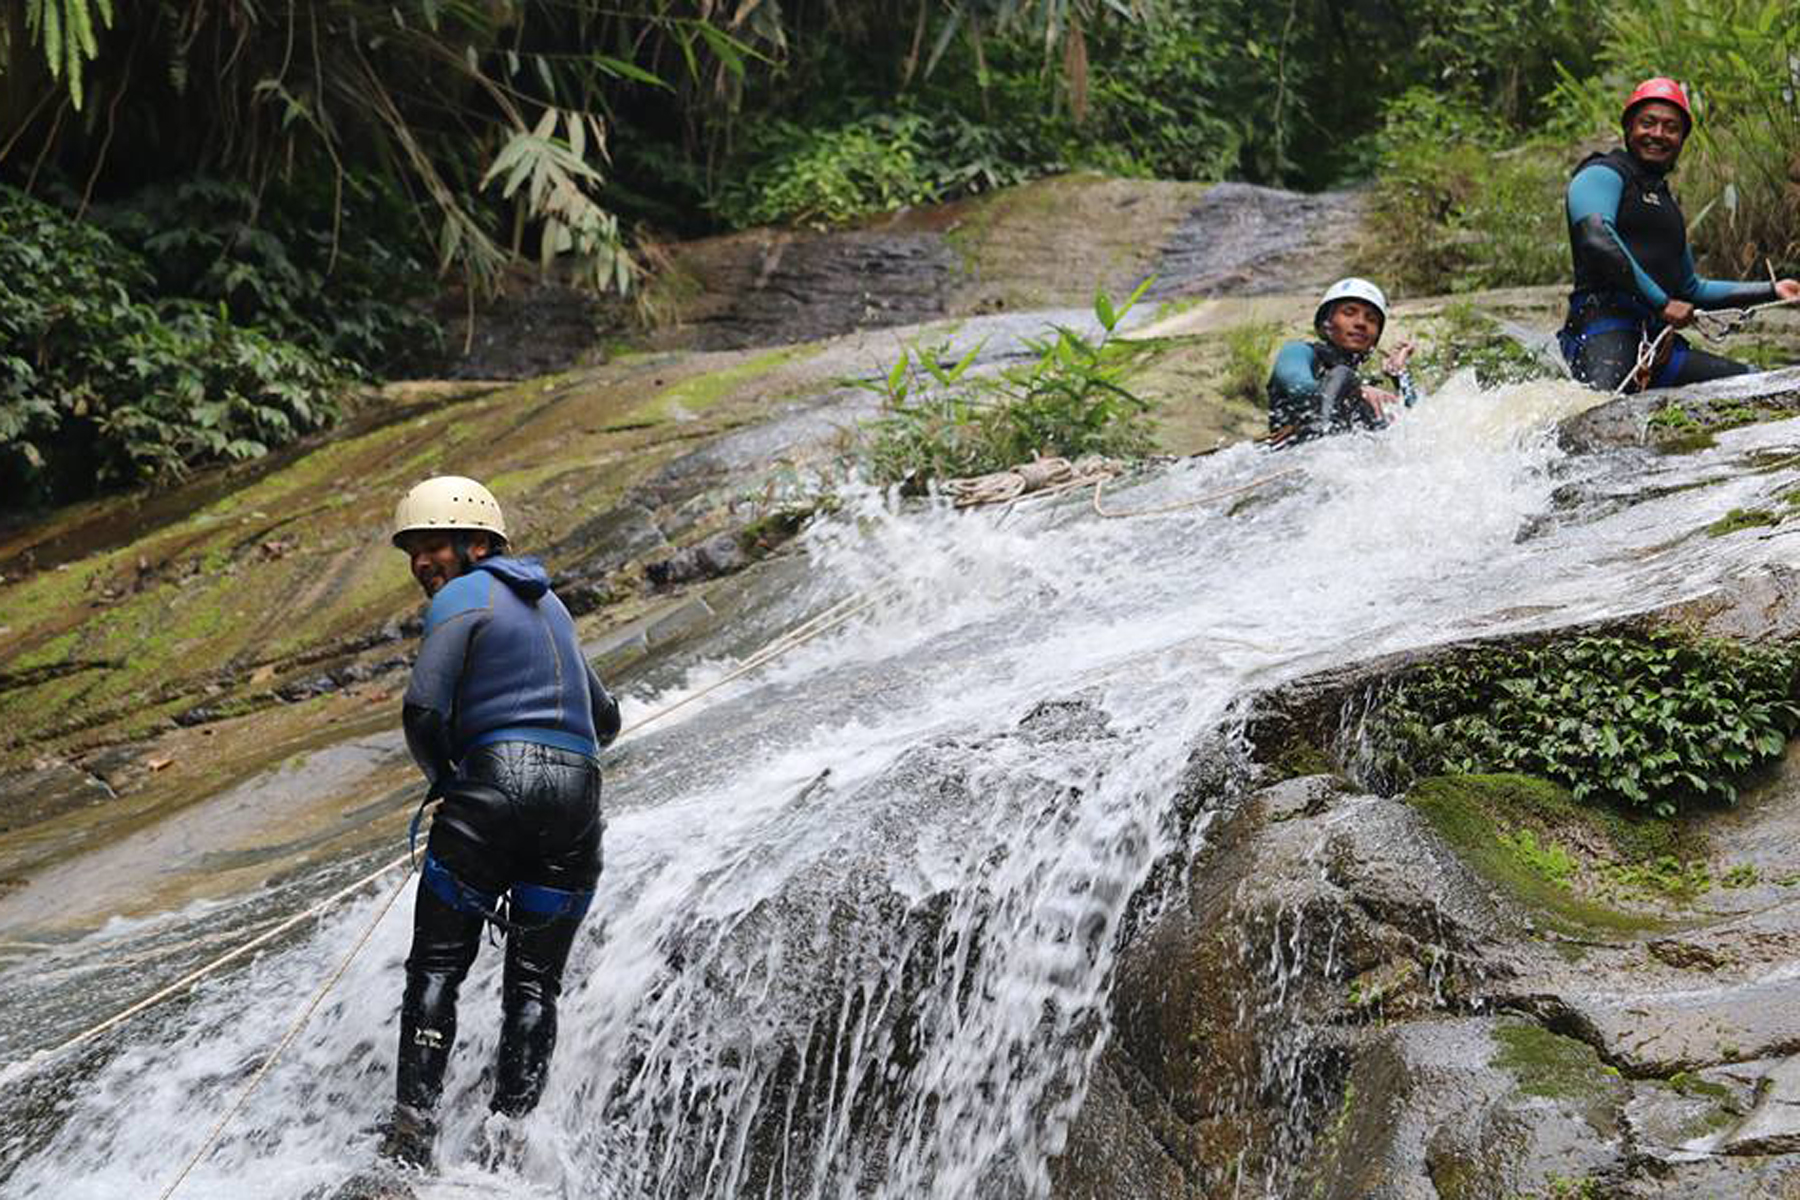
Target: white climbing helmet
(1350, 289)
(449, 502)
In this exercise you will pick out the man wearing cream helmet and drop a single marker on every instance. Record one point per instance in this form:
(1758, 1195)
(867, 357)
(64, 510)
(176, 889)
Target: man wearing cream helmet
(507, 720)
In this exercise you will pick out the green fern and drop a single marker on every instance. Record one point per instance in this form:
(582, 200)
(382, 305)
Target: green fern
(65, 30)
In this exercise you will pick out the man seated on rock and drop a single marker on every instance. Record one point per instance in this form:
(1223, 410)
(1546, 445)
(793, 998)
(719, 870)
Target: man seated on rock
(1315, 389)
(1634, 272)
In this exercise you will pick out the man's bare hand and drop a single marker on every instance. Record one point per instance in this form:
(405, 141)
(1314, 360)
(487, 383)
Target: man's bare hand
(1398, 357)
(1678, 313)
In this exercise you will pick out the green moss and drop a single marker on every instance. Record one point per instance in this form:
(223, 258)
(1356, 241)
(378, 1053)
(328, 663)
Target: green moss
(1550, 1065)
(1689, 1084)
(1741, 518)
(1672, 417)
(1743, 875)
(1687, 443)
(1516, 831)
(1300, 758)
(701, 392)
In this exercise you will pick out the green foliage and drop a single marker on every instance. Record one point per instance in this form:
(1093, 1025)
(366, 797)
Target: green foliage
(1467, 338)
(825, 177)
(439, 100)
(940, 422)
(1741, 518)
(1548, 859)
(101, 387)
(275, 262)
(1659, 721)
(1683, 879)
(1249, 349)
(1461, 202)
(64, 29)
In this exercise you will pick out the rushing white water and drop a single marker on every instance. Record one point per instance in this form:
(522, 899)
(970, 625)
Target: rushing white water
(856, 929)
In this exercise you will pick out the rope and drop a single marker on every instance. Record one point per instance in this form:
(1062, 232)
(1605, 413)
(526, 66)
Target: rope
(814, 627)
(287, 1038)
(1196, 501)
(1047, 475)
(1715, 325)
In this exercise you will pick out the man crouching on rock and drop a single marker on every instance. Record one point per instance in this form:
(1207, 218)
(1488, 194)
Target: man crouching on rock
(507, 721)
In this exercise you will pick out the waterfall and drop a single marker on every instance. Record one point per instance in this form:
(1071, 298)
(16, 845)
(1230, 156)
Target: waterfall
(857, 928)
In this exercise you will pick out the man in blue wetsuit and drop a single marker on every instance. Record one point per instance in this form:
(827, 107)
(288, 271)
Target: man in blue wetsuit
(1634, 272)
(507, 720)
(1315, 388)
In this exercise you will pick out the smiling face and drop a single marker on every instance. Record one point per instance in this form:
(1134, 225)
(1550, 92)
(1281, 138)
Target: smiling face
(1353, 325)
(1655, 132)
(431, 553)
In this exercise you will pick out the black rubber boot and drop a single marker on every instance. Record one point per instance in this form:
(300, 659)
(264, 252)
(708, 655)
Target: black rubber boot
(535, 958)
(409, 1137)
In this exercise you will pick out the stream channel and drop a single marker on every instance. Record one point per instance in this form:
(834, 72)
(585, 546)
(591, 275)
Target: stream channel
(860, 911)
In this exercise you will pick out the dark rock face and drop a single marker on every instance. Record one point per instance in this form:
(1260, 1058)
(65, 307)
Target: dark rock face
(767, 287)
(1332, 1003)
(717, 555)
(1244, 240)
(795, 287)
(47, 790)
(1338, 1008)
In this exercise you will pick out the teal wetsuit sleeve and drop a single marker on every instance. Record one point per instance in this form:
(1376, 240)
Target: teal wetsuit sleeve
(1293, 373)
(1720, 293)
(1593, 199)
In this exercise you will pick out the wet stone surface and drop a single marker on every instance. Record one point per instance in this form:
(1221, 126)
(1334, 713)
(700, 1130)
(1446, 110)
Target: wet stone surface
(1673, 417)
(45, 791)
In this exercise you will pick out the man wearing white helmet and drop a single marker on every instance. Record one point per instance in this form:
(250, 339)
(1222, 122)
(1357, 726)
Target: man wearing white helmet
(507, 719)
(1315, 388)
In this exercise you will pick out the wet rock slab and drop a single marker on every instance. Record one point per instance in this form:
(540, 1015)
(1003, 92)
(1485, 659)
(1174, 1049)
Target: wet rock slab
(47, 790)
(1627, 421)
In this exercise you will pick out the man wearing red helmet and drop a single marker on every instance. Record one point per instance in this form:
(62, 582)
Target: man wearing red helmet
(1634, 272)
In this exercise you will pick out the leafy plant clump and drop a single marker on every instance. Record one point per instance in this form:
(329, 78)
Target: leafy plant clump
(940, 422)
(335, 275)
(1468, 338)
(1657, 721)
(829, 176)
(101, 386)
(1463, 202)
(1249, 350)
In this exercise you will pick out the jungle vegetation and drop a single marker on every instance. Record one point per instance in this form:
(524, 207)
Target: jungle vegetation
(215, 213)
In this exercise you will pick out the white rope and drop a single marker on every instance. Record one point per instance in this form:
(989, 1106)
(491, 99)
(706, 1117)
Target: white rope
(814, 627)
(293, 1031)
(1715, 325)
(1208, 498)
(1048, 476)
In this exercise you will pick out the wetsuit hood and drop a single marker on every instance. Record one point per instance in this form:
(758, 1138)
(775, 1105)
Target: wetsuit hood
(525, 576)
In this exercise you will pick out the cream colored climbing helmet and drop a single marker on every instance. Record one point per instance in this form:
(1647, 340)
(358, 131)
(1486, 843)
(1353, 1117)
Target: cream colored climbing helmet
(449, 502)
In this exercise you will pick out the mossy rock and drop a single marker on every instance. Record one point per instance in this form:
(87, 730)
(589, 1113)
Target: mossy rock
(1742, 518)
(1529, 837)
(1553, 1066)
(1298, 758)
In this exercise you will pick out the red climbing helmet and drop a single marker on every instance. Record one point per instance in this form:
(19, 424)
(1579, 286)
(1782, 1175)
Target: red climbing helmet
(1663, 89)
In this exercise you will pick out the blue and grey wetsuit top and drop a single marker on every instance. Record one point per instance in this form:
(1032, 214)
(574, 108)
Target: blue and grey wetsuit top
(1629, 242)
(1314, 389)
(500, 662)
